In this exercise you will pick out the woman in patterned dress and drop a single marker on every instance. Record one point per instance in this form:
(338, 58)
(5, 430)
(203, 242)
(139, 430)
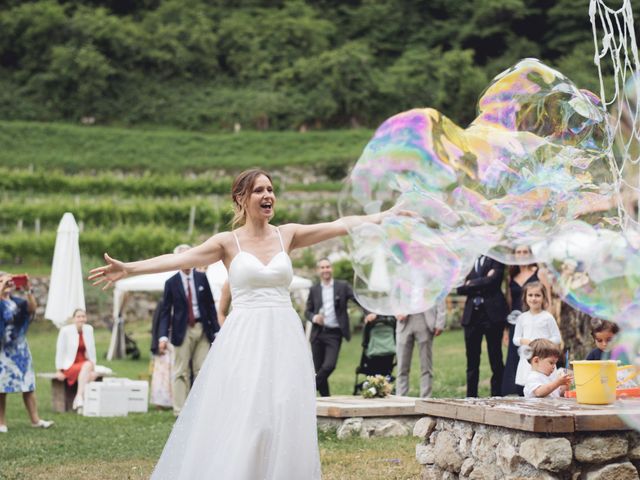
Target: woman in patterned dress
(16, 368)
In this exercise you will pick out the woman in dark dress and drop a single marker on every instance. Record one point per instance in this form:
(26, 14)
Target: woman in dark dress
(518, 277)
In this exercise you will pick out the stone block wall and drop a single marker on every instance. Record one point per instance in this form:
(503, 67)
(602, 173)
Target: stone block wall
(453, 449)
(367, 427)
(139, 305)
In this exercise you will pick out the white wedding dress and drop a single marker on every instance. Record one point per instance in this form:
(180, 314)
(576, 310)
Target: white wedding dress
(251, 412)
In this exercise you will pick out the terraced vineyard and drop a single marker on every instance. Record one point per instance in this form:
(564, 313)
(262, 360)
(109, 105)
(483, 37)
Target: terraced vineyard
(140, 192)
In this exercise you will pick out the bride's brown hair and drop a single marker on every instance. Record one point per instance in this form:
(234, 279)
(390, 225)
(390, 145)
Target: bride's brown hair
(240, 191)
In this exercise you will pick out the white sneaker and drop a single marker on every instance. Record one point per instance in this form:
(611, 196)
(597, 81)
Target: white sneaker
(42, 424)
(77, 403)
(3, 429)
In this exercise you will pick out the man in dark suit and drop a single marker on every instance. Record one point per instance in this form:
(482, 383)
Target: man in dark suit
(327, 311)
(485, 313)
(188, 317)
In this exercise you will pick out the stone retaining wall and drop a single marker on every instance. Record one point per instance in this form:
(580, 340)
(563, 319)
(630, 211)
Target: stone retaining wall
(454, 449)
(138, 307)
(367, 427)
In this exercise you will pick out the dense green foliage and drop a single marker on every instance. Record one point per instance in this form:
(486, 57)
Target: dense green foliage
(205, 65)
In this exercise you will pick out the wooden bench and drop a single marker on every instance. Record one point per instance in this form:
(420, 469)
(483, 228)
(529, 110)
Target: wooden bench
(61, 394)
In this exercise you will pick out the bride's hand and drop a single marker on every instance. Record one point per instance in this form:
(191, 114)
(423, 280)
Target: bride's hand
(113, 271)
(399, 210)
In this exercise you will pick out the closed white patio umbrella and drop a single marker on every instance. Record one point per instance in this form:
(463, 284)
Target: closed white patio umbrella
(66, 290)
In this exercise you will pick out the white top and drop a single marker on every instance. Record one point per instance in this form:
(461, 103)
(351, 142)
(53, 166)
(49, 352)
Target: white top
(531, 327)
(67, 345)
(537, 379)
(328, 306)
(266, 286)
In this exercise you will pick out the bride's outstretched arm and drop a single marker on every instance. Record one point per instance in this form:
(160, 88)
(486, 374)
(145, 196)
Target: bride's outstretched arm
(307, 235)
(206, 253)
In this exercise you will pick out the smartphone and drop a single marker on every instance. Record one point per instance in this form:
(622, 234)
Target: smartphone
(19, 281)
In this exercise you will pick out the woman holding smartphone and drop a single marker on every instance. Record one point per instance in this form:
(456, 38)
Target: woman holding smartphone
(16, 367)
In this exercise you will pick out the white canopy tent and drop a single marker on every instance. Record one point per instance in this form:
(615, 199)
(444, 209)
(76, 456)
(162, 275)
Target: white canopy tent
(216, 274)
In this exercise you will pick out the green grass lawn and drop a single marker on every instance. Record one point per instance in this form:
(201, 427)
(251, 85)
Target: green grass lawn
(73, 148)
(128, 447)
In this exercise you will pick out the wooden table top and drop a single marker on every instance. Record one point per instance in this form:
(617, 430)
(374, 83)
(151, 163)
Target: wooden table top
(345, 406)
(533, 415)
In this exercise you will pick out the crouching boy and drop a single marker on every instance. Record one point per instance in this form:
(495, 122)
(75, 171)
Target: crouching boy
(544, 380)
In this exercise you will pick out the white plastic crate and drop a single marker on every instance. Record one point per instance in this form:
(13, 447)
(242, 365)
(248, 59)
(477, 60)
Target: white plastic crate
(103, 399)
(137, 393)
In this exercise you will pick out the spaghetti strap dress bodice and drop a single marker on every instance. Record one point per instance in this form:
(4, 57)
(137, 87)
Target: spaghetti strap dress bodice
(258, 285)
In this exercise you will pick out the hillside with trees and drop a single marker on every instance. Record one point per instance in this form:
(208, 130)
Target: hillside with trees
(273, 64)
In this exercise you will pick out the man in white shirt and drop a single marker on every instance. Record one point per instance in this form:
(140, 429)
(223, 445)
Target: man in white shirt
(327, 310)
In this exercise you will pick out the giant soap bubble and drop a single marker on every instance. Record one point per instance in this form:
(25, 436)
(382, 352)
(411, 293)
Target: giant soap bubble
(626, 351)
(535, 158)
(595, 270)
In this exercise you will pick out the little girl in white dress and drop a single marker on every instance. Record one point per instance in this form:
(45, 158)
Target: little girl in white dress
(534, 323)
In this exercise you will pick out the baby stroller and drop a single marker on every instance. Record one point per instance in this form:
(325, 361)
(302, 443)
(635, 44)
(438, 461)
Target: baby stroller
(378, 350)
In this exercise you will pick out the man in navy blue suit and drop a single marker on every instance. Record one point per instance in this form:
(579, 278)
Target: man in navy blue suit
(188, 318)
(485, 314)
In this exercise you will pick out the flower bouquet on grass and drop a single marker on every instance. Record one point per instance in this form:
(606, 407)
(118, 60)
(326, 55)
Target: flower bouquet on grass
(376, 387)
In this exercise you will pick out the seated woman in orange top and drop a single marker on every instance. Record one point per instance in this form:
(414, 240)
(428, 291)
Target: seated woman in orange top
(76, 355)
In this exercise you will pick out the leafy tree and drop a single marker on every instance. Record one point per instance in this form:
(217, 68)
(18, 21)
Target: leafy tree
(568, 25)
(489, 30)
(338, 85)
(78, 73)
(411, 81)
(202, 64)
(449, 82)
(29, 31)
(180, 40)
(258, 43)
(117, 39)
(119, 7)
(383, 23)
(460, 84)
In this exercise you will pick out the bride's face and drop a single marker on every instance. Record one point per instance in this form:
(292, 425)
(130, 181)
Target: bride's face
(262, 200)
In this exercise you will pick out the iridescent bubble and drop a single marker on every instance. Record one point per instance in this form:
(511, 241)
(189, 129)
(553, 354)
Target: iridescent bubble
(594, 269)
(626, 130)
(625, 350)
(536, 157)
(392, 259)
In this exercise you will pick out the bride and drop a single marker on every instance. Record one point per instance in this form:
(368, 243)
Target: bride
(251, 412)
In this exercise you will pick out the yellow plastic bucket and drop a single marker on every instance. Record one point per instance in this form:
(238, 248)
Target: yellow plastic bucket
(595, 381)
